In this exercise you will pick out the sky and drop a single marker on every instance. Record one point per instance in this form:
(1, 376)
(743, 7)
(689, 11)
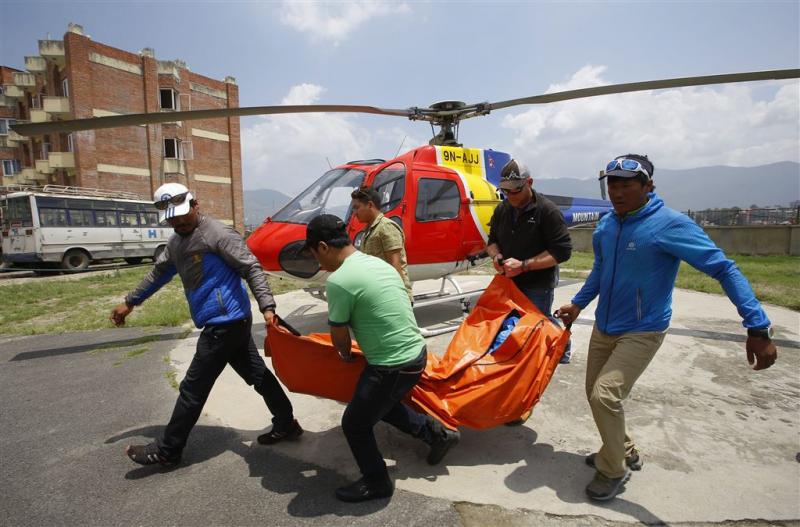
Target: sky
(403, 54)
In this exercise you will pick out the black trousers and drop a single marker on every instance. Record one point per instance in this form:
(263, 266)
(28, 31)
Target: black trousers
(217, 346)
(377, 398)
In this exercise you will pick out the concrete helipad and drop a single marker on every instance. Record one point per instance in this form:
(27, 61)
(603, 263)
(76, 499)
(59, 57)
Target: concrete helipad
(719, 441)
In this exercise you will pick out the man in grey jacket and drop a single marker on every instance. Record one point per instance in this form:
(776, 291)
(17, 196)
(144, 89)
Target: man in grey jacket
(211, 260)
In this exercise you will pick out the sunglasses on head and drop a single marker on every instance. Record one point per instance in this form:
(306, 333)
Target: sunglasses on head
(174, 200)
(631, 165)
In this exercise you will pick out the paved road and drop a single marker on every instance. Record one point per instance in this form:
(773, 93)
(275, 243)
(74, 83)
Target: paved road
(719, 441)
(67, 413)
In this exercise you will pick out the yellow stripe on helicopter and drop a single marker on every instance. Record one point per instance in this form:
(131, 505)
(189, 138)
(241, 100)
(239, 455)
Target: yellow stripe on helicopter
(469, 164)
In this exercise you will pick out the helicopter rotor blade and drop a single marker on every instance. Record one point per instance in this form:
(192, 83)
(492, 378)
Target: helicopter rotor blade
(434, 115)
(95, 123)
(644, 86)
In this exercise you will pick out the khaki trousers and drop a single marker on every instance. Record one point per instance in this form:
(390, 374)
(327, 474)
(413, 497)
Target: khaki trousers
(614, 364)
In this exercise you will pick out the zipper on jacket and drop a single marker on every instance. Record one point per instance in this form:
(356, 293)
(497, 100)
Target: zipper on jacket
(613, 273)
(638, 304)
(220, 302)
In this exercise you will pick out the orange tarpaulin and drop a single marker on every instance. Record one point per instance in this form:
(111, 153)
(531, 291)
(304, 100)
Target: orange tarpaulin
(466, 386)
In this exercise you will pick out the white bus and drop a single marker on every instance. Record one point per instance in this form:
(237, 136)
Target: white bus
(70, 227)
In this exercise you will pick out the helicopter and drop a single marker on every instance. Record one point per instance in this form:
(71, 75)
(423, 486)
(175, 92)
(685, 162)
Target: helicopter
(441, 194)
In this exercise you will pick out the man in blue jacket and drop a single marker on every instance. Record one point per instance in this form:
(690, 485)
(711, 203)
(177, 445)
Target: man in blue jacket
(637, 252)
(211, 259)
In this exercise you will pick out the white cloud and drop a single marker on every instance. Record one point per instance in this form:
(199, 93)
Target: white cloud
(334, 22)
(677, 128)
(289, 152)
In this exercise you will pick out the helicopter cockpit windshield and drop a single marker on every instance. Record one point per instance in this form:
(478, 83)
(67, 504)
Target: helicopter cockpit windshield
(330, 194)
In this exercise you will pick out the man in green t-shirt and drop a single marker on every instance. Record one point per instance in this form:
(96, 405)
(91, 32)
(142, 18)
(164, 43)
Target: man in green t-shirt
(366, 294)
(383, 237)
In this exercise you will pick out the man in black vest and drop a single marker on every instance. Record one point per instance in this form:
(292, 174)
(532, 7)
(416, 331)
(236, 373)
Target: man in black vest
(528, 238)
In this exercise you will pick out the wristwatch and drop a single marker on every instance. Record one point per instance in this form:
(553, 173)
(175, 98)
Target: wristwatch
(764, 333)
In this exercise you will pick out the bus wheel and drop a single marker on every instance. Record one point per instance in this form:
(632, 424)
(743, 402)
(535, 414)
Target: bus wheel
(134, 261)
(75, 260)
(159, 250)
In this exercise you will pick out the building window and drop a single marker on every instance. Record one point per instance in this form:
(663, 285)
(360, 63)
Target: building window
(168, 98)
(172, 148)
(70, 143)
(64, 88)
(437, 199)
(10, 167)
(5, 125)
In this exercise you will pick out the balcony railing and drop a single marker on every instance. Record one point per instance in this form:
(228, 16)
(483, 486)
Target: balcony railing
(61, 160)
(24, 80)
(52, 49)
(174, 166)
(43, 166)
(9, 90)
(36, 64)
(56, 105)
(14, 137)
(39, 116)
(31, 174)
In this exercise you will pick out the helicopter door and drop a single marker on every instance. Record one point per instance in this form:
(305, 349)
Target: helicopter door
(436, 230)
(390, 184)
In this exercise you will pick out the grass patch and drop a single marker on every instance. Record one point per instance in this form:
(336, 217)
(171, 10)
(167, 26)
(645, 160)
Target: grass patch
(775, 279)
(53, 306)
(171, 374)
(280, 285)
(136, 352)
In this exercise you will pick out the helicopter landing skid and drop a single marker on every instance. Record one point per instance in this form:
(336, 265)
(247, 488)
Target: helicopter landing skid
(440, 297)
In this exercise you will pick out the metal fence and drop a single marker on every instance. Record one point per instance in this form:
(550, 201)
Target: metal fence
(735, 216)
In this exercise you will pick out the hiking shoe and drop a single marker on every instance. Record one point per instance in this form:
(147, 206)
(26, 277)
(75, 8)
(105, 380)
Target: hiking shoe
(633, 461)
(522, 419)
(150, 455)
(444, 441)
(362, 490)
(603, 488)
(276, 436)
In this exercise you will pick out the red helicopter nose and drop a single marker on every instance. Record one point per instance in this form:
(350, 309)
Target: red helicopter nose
(279, 248)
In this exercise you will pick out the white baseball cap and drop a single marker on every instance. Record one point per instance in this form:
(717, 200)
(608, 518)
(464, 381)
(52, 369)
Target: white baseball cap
(172, 200)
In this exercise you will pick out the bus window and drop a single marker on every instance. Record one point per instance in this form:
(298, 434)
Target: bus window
(80, 218)
(18, 212)
(51, 203)
(151, 218)
(53, 217)
(128, 219)
(105, 218)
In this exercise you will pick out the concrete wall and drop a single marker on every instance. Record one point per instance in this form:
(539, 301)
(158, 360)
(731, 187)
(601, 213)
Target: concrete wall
(761, 239)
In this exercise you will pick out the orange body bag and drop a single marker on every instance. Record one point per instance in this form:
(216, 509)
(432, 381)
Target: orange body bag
(467, 386)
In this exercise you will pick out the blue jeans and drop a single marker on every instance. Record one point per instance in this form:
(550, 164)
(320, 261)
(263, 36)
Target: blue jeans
(378, 397)
(543, 299)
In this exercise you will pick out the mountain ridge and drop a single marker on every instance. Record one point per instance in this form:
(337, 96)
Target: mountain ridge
(716, 186)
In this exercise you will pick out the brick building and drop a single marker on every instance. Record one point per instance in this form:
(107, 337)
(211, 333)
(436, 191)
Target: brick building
(77, 78)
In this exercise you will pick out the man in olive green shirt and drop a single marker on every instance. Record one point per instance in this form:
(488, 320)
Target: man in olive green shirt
(366, 294)
(383, 237)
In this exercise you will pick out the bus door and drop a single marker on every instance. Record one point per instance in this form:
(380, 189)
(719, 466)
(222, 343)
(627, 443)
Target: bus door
(19, 241)
(131, 229)
(56, 234)
(153, 234)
